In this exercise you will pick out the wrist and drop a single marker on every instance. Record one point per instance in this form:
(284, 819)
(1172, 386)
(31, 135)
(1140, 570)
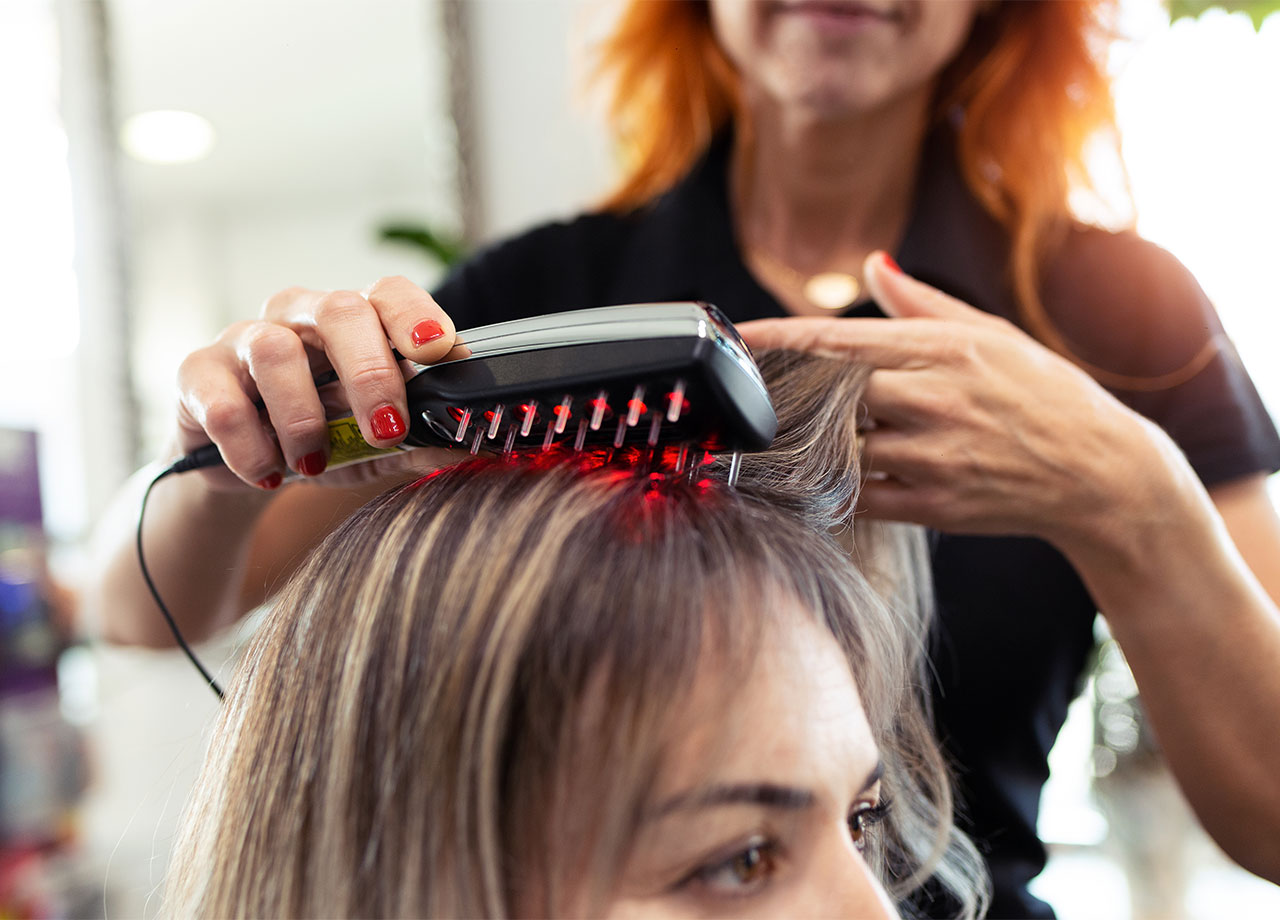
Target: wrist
(1149, 507)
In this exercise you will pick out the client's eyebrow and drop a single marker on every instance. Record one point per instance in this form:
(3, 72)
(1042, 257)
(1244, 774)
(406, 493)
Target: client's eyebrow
(770, 795)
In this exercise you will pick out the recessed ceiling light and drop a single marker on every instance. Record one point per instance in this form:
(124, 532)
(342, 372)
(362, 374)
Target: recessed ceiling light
(167, 136)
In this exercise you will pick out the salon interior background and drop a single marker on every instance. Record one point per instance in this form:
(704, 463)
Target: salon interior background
(327, 120)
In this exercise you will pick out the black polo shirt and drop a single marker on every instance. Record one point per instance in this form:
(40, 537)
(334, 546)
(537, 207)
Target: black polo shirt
(1015, 623)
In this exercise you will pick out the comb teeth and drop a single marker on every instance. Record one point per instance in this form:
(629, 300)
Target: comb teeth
(658, 411)
(495, 421)
(636, 406)
(463, 422)
(530, 412)
(598, 405)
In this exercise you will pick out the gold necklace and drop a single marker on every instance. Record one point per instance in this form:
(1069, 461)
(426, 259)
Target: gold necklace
(828, 290)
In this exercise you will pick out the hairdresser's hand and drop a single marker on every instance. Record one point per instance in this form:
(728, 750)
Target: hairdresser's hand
(977, 427)
(300, 334)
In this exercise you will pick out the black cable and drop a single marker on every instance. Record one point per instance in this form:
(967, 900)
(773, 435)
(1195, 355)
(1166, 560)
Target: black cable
(189, 462)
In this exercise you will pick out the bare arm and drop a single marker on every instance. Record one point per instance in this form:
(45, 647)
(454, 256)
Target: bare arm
(1202, 636)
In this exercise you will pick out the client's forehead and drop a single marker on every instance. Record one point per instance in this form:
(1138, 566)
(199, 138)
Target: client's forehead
(789, 714)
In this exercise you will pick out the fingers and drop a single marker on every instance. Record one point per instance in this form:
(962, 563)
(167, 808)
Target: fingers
(888, 453)
(414, 322)
(878, 342)
(889, 397)
(215, 406)
(900, 295)
(891, 500)
(278, 363)
(353, 337)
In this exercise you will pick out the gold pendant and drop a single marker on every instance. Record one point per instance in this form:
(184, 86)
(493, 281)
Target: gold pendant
(832, 290)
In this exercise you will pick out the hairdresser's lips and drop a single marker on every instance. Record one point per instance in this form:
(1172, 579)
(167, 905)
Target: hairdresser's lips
(838, 15)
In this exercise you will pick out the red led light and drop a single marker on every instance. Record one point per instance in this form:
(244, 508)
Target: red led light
(488, 416)
(602, 405)
(637, 406)
(684, 403)
(456, 413)
(561, 410)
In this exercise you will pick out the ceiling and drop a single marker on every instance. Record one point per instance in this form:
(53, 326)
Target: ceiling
(308, 97)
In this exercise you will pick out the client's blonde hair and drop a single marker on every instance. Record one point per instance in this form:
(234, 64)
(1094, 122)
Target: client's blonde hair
(459, 704)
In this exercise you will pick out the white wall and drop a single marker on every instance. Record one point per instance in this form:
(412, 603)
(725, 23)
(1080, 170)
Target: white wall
(542, 151)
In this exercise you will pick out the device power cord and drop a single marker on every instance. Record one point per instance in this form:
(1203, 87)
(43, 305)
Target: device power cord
(189, 462)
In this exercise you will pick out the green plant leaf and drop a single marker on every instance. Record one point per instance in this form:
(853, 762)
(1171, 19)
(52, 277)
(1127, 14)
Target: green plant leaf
(440, 247)
(1257, 10)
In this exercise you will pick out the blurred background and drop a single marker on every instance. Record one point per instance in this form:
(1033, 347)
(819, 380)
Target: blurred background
(168, 165)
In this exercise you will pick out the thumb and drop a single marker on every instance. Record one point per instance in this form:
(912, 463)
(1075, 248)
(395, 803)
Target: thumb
(900, 295)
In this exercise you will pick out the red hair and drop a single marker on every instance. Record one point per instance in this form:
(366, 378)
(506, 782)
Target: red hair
(1030, 83)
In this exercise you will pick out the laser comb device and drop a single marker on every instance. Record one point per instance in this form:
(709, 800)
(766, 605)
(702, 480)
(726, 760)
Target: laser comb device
(675, 379)
(608, 377)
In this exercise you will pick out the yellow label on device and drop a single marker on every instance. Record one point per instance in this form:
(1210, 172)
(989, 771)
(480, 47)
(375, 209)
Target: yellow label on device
(347, 445)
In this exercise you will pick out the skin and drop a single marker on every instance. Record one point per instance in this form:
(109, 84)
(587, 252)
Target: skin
(981, 430)
(839, 97)
(752, 823)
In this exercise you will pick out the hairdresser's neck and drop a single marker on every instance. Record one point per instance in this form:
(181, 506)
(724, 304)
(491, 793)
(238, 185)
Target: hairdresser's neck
(819, 193)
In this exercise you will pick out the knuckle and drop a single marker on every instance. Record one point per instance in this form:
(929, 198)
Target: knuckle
(280, 300)
(375, 378)
(937, 402)
(303, 429)
(340, 307)
(192, 368)
(224, 418)
(390, 281)
(269, 344)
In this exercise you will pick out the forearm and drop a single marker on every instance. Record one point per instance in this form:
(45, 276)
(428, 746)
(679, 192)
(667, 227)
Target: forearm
(197, 544)
(1203, 640)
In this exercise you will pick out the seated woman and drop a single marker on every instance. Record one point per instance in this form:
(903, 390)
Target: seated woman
(588, 686)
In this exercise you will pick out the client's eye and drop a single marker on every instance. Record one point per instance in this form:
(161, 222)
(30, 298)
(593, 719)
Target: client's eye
(743, 873)
(863, 816)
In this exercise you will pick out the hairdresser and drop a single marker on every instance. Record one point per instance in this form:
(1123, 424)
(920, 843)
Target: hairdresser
(1059, 402)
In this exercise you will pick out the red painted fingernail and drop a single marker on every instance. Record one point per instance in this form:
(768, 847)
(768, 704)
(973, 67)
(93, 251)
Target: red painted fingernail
(386, 423)
(891, 265)
(427, 331)
(313, 464)
(271, 482)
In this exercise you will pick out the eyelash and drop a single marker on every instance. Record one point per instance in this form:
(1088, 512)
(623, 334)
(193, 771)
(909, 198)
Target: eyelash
(863, 817)
(763, 854)
(760, 854)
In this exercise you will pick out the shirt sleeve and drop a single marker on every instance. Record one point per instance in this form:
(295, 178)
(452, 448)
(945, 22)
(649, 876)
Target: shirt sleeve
(1130, 307)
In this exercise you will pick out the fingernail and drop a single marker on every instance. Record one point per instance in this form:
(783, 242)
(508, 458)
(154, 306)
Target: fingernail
(313, 464)
(386, 423)
(891, 265)
(426, 331)
(271, 482)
